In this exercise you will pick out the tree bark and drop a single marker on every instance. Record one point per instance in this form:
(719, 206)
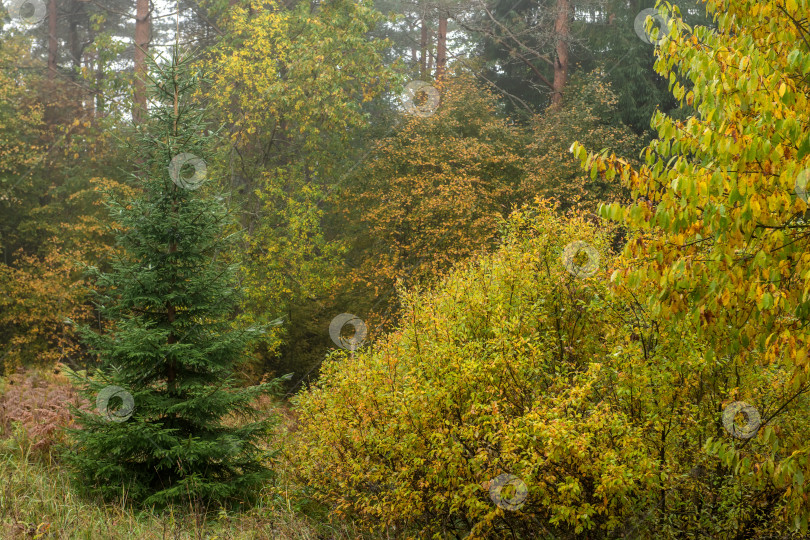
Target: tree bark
(171, 368)
(75, 47)
(142, 30)
(423, 48)
(562, 33)
(99, 84)
(430, 52)
(441, 47)
(53, 45)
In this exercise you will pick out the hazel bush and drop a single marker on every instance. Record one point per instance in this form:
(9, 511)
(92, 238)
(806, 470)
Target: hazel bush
(492, 372)
(606, 420)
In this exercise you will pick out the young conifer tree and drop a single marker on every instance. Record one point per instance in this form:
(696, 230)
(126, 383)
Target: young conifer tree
(171, 345)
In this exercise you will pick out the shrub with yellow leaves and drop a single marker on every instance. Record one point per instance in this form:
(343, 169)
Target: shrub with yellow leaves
(594, 410)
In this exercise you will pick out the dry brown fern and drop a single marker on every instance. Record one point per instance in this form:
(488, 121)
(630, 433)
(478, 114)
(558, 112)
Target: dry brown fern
(38, 402)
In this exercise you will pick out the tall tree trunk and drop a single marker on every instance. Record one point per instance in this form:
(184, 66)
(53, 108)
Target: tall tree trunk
(562, 34)
(99, 84)
(53, 45)
(430, 52)
(87, 91)
(441, 47)
(423, 48)
(75, 47)
(142, 30)
(171, 368)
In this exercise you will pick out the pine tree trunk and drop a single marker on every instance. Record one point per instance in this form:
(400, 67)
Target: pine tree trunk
(53, 45)
(142, 28)
(441, 47)
(562, 34)
(423, 48)
(73, 44)
(171, 372)
(87, 90)
(99, 84)
(430, 52)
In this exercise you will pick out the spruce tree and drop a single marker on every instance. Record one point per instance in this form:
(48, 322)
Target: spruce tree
(170, 348)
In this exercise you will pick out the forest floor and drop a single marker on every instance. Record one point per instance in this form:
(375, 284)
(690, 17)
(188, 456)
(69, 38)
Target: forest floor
(37, 501)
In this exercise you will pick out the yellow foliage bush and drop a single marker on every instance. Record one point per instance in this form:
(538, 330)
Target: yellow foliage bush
(477, 382)
(515, 366)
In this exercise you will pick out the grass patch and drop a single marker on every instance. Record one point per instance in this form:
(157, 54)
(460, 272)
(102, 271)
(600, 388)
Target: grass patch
(38, 501)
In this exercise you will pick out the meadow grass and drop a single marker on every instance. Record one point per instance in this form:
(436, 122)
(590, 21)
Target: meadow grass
(37, 499)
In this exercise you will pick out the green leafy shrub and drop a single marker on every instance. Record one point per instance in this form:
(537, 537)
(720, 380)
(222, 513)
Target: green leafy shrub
(514, 366)
(488, 373)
